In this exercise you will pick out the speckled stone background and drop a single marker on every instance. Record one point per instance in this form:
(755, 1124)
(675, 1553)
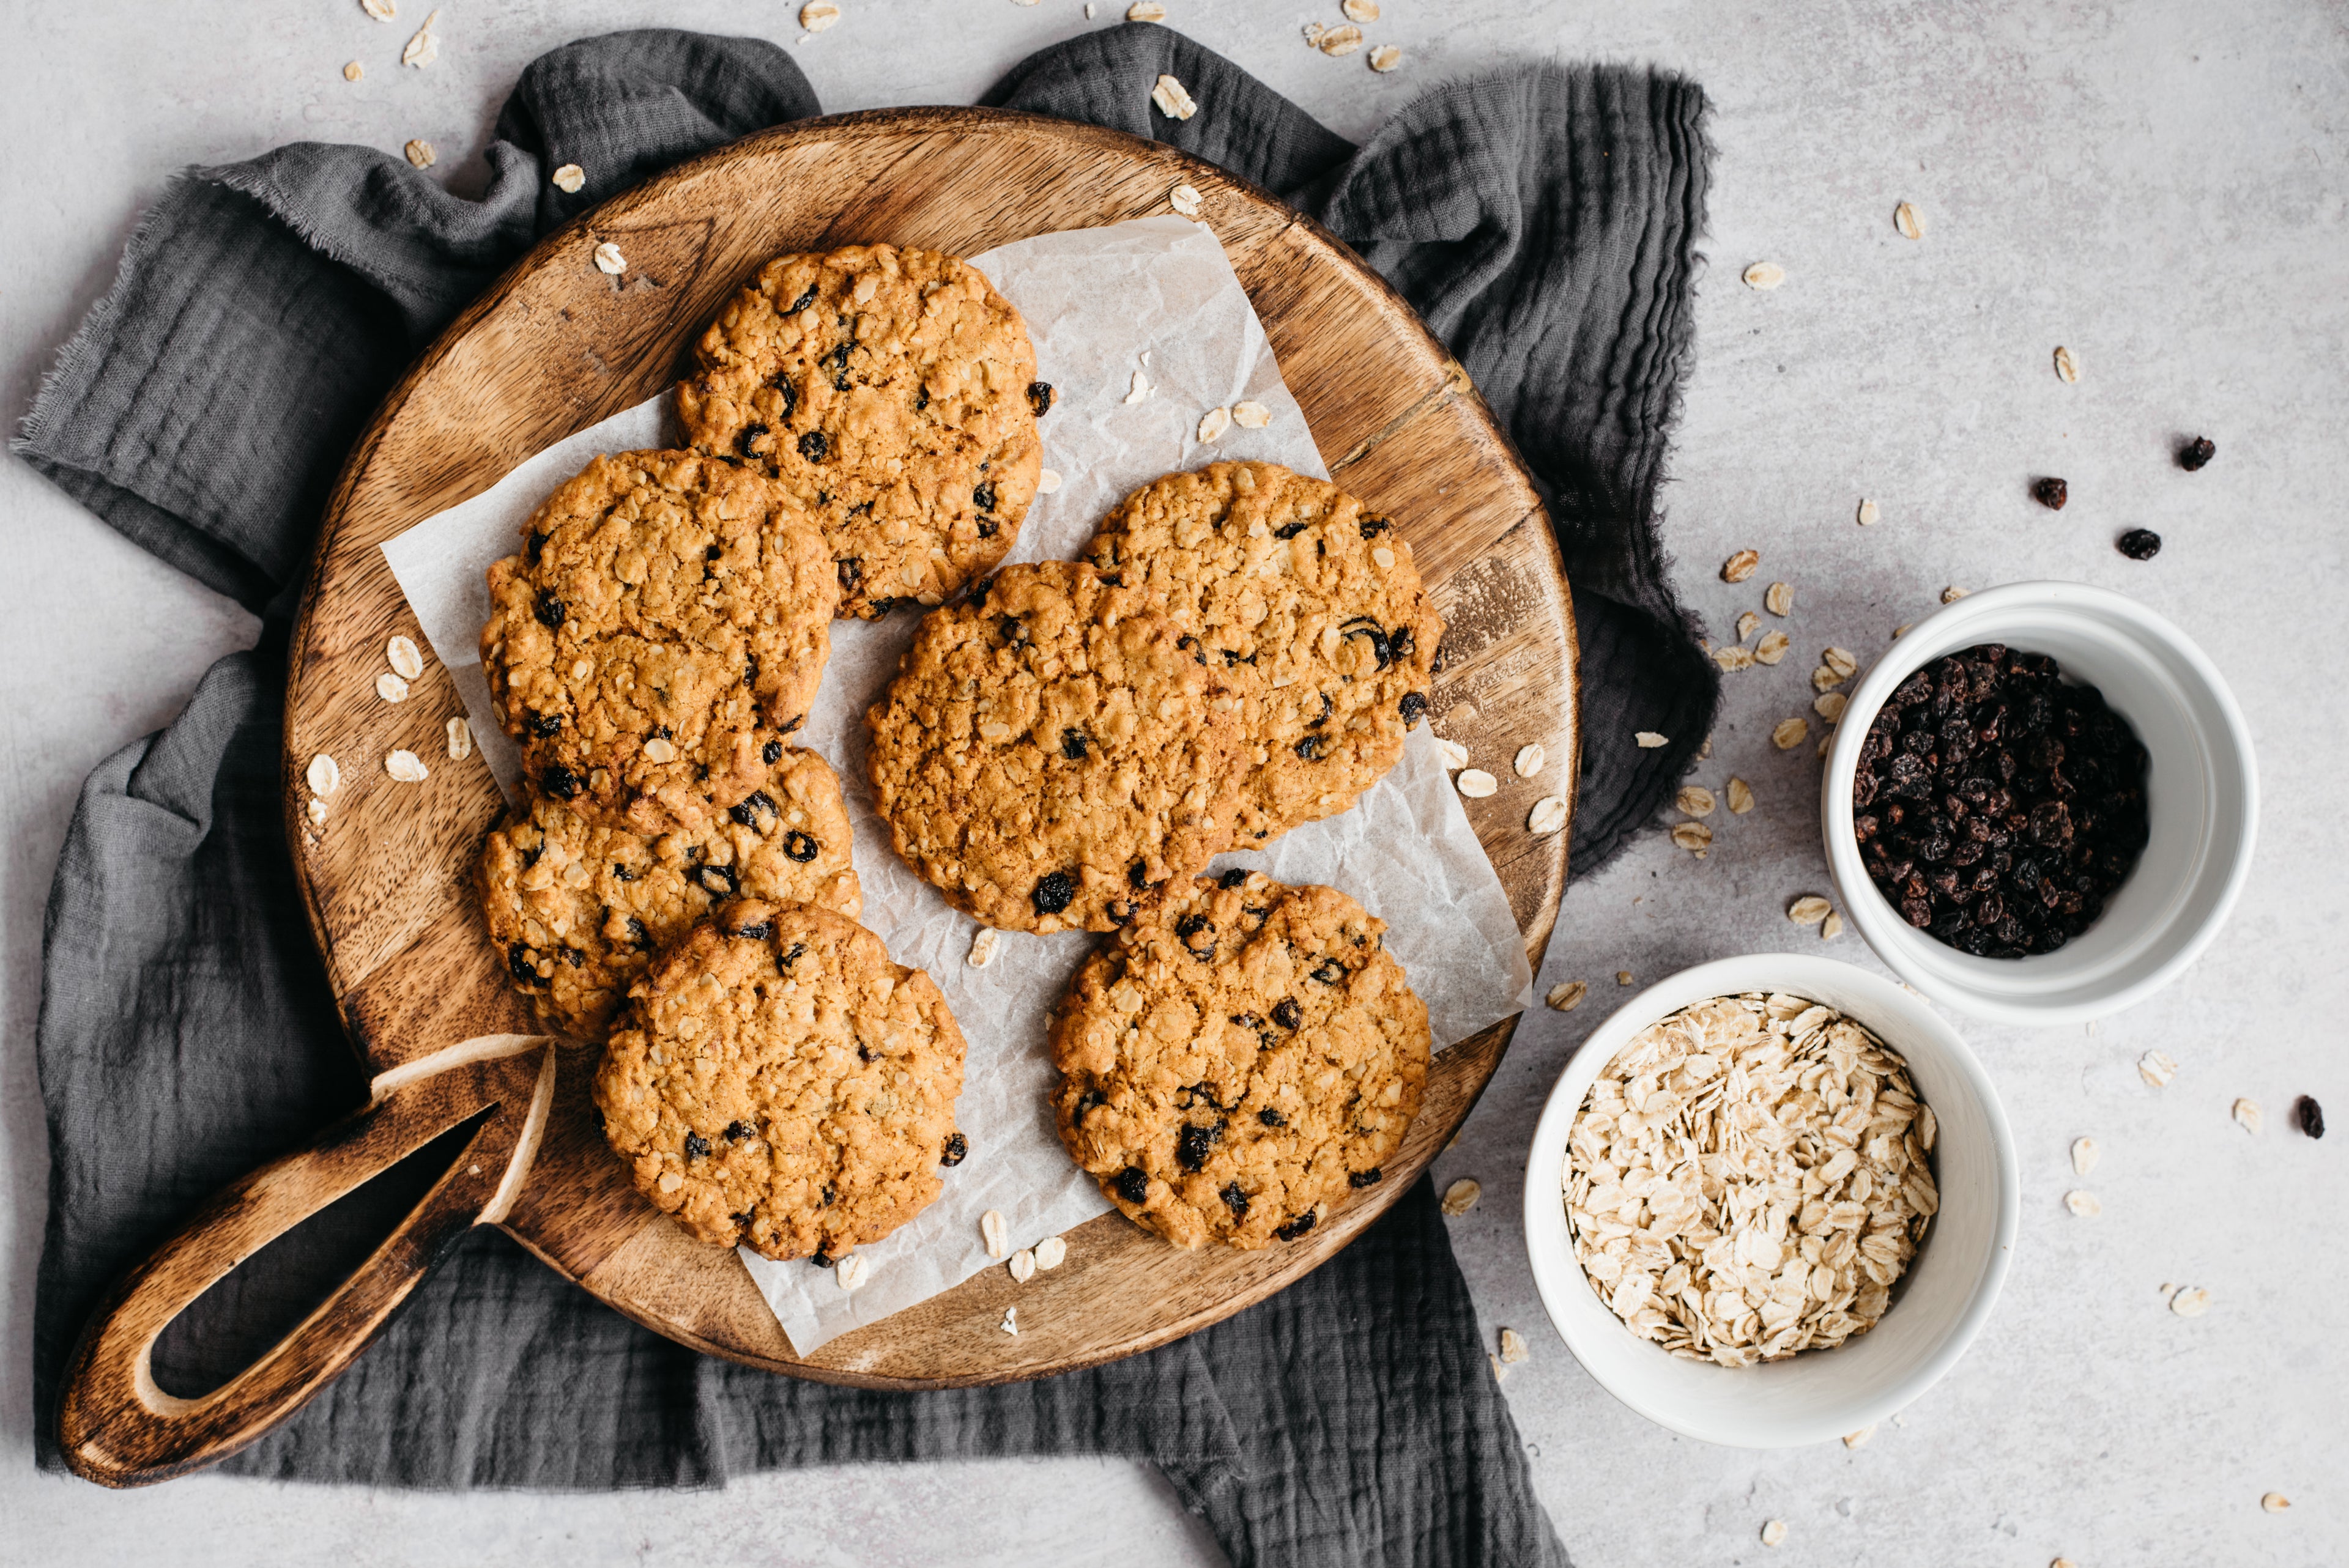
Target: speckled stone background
(2162, 185)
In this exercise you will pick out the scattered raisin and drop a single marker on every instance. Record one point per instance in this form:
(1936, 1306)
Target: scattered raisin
(2051, 493)
(956, 1149)
(2311, 1114)
(1040, 397)
(2138, 544)
(1054, 892)
(1287, 1013)
(812, 445)
(1297, 1226)
(1235, 1200)
(2196, 452)
(1358, 1179)
(1133, 1184)
(800, 847)
(696, 1146)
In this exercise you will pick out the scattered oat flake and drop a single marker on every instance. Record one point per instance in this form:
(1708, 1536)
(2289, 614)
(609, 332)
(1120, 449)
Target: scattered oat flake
(353, 71)
(381, 10)
(1475, 783)
(1741, 796)
(1745, 624)
(1145, 11)
(983, 948)
(1022, 1265)
(1462, 1195)
(1512, 1346)
(2156, 1068)
(406, 767)
(570, 178)
(1789, 732)
(1732, 658)
(995, 1233)
(425, 47)
(323, 776)
(1771, 647)
(1858, 1439)
(609, 261)
(1809, 910)
(2062, 1562)
(2275, 1501)
(1779, 600)
(402, 655)
(1566, 994)
(2067, 364)
(1456, 755)
(1251, 415)
(1622, 976)
(1908, 221)
(1694, 837)
(1774, 1533)
(317, 810)
(1340, 40)
(419, 153)
(1385, 57)
(1740, 566)
(2247, 1115)
(1547, 817)
(2192, 1301)
(1649, 740)
(1214, 423)
(818, 15)
(1839, 660)
(390, 687)
(2085, 1153)
(2083, 1203)
(1361, 10)
(1829, 705)
(1172, 100)
(461, 738)
(1010, 1324)
(1499, 1371)
(1051, 1252)
(1185, 200)
(1831, 927)
(1138, 390)
(849, 1271)
(1764, 276)
(1952, 593)
(1694, 799)
(1530, 758)
(1313, 31)
(1048, 480)
(1827, 743)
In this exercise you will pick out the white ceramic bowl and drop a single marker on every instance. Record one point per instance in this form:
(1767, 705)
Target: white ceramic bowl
(2201, 795)
(1940, 1304)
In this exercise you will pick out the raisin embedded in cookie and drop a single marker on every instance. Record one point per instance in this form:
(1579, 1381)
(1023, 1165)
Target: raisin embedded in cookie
(664, 625)
(1238, 1060)
(779, 1084)
(1314, 606)
(580, 910)
(894, 392)
(1052, 753)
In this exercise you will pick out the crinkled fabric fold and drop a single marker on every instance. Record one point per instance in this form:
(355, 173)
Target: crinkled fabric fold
(1543, 220)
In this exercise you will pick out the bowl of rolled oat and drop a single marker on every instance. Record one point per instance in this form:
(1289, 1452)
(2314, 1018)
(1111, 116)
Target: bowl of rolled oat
(1771, 1200)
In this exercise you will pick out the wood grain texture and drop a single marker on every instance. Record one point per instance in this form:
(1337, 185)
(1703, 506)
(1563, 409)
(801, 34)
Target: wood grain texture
(556, 346)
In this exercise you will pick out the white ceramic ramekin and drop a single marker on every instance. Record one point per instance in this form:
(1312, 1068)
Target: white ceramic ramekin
(1938, 1304)
(2201, 795)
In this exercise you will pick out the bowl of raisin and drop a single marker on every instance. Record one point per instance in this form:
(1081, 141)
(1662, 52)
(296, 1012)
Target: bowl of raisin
(2040, 804)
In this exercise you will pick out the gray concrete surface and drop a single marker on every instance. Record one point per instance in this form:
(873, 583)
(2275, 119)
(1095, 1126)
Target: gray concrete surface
(2160, 185)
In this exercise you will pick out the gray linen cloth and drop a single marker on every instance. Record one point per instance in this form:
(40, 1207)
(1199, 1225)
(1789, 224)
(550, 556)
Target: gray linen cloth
(1543, 220)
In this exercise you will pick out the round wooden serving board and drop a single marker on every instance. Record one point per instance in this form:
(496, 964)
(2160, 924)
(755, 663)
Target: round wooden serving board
(556, 346)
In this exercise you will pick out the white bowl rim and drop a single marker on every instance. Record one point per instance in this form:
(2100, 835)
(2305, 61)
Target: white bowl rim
(1545, 1208)
(1874, 917)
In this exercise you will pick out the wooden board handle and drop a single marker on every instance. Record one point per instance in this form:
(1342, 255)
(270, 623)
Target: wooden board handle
(118, 1429)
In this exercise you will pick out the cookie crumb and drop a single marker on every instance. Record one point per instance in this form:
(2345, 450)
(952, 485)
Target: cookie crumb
(1010, 1324)
(353, 71)
(1622, 976)
(1649, 740)
(318, 811)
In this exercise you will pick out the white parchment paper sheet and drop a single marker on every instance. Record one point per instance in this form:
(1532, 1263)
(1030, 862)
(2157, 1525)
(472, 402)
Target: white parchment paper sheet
(1156, 297)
